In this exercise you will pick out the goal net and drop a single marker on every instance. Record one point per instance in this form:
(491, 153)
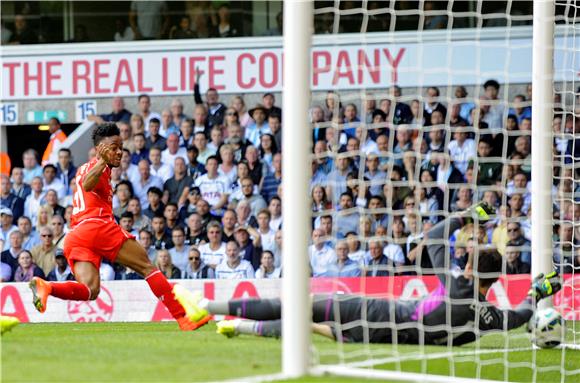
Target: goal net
(420, 110)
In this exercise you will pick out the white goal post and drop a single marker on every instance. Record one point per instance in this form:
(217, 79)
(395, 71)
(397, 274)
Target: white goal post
(299, 356)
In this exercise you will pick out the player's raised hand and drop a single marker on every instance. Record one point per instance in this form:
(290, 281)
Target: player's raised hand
(544, 286)
(106, 152)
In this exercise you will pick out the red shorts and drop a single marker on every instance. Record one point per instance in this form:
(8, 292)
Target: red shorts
(94, 239)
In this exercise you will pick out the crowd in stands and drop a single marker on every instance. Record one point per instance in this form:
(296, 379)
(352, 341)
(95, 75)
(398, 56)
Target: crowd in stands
(202, 193)
(154, 20)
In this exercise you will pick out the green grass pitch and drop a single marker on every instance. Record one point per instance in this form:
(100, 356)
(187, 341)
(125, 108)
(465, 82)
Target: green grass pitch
(159, 352)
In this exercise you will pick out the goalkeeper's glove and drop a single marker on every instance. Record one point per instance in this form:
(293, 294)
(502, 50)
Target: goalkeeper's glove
(544, 286)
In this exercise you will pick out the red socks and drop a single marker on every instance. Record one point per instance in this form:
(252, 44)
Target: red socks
(163, 290)
(70, 291)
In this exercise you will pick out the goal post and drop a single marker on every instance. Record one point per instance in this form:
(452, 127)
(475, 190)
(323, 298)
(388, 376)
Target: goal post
(296, 311)
(542, 105)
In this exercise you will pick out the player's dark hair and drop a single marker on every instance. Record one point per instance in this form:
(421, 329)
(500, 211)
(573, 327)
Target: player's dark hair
(49, 166)
(212, 158)
(489, 266)
(171, 204)
(325, 217)
(55, 119)
(178, 228)
(102, 131)
(65, 150)
(154, 120)
(143, 96)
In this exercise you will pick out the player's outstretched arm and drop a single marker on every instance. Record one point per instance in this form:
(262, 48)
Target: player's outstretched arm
(92, 178)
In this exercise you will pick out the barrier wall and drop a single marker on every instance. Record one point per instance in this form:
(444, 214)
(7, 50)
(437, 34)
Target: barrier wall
(132, 301)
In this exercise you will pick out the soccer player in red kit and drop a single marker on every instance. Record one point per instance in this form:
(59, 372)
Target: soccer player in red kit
(95, 235)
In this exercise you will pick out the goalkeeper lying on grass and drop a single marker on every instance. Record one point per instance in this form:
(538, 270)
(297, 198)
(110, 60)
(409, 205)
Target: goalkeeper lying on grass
(432, 320)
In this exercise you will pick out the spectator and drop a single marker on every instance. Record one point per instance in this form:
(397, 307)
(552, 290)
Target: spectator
(461, 150)
(233, 266)
(378, 265)
(495, 115)
(29, 238)
(249, 243)
(140, 151)
(224, 27)
(145, 182)
(273, 179)
(31, 167)
(520, 185)
(182, 30)
(123, 32)
(144, 105)
(227, 167)
(514, 264)
(26, 268)
(268, 269)
(238, 104)
(196, 269)
(180, 252)
(464, 106)
(155, 139)
(259, 126)
(51, 199)
(8, 199)
(237, 141)
(195, 231)
(516, 238)
(165, 265)
(216, 109)
(213, 252)
(22, 33)
(229, 220)
(268, 101)
(57, 138)
(61, 271)
(275, 209)
(19, 188)
(57, 225)
(126, 222)
(6, 226)
(34, 200)
(159, 167)
(118, 113)
(149, 20)
(10, 255)
(337, 178)
(267, 149)
(43, 254)
(175, 186)
(160, 237)
(173, 150)
(344, 267)
(51, 182)
(347, 220)
(145, 239)
(351, 120)
(186, 132)
(202, 207)
(432, 104)
(140, 221)
(65, 169)
(171, 216)
(204, 152)
(322, 256)
(155, 205)
(255, 201)
(214, 188)
(488, 172)
(200, 121)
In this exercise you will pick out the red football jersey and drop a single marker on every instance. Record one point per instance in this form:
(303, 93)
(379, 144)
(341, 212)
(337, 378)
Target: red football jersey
(97, 203)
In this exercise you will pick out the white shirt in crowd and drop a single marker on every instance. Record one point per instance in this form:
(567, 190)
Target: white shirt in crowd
(180, 258)
(168, 158)
(212, 189)
(106, 272)
(243, 270)
(212, 257)
(267, 239)
(164, 172)
(320, 260)
(273, 275)
(462, 154)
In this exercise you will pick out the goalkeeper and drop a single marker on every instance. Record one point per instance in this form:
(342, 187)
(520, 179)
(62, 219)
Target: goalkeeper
(455, 313)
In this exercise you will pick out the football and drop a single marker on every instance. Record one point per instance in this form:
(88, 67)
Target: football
(546, 328)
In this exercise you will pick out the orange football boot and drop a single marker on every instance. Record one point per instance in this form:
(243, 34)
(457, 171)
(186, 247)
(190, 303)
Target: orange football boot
(40, 292)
